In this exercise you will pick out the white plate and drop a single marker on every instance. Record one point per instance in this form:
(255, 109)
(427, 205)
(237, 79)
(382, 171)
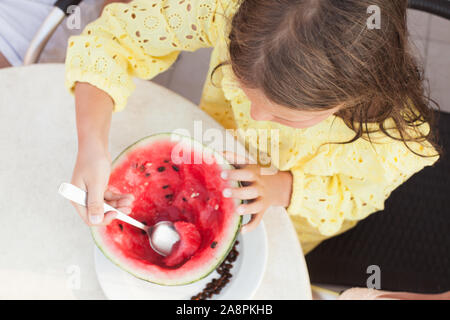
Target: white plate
(247, 271)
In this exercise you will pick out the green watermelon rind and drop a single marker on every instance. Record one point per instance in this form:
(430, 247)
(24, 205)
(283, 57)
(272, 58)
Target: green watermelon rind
(225, 163)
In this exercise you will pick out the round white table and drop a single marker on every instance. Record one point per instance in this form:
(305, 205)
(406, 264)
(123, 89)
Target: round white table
(46, 252)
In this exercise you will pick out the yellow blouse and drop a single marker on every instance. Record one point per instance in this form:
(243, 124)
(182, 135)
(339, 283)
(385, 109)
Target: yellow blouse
(335, 185)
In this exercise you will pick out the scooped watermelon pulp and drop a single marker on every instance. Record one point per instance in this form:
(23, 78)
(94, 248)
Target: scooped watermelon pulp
(190, 241)
(187, 193)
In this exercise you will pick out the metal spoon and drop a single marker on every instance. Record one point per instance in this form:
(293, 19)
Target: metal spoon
(162, 236)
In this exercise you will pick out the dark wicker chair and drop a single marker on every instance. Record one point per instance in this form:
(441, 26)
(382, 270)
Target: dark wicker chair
(409, 240)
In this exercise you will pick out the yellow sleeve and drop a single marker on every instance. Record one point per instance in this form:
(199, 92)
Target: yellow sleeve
(141, 39)
(343, 184)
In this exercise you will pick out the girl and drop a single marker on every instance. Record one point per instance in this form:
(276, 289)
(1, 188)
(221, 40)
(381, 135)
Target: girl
(347, 100)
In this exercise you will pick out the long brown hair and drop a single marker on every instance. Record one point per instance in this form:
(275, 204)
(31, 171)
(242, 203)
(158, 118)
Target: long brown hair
(318, 54)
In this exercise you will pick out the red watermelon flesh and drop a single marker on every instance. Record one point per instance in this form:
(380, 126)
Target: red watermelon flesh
(190, 240)
(188, 194)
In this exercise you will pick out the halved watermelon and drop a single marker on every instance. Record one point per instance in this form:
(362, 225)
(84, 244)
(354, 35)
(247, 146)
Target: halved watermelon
(168, 181)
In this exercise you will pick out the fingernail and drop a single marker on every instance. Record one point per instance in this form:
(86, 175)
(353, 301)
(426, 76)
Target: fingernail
(227, 193)
(240, 210)
(127, 202)
(95, 219)
(224, 175)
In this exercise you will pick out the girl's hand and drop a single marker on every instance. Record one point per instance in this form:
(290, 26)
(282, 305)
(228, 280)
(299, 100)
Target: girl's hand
(93, 115)
(263, 190)
(91, 173)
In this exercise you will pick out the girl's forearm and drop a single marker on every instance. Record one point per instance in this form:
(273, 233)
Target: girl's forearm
(93, 116)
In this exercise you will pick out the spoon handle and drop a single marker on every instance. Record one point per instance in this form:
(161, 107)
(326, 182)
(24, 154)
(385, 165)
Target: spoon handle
(77, 195)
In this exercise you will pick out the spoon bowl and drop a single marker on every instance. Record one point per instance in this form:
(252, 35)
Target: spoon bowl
(162, 237)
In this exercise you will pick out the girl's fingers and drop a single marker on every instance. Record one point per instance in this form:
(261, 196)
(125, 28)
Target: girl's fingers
(239, 175)
(95, 199)
(250, 208)
(112, 196)
(122, 202)
(246, 193)
(117, 200)
(125, 202)
(235, 158)
(126, 210)
(82, 211)
(109, 216)
(254, 222)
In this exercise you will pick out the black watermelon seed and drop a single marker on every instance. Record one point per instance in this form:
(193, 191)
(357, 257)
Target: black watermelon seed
(166, 161)
(174, 167)
(121, 227)
(166, 186)
(168, 196)
(147, 174)
(161, 169)
(184, 199)
(143, 232)
(213, 244)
